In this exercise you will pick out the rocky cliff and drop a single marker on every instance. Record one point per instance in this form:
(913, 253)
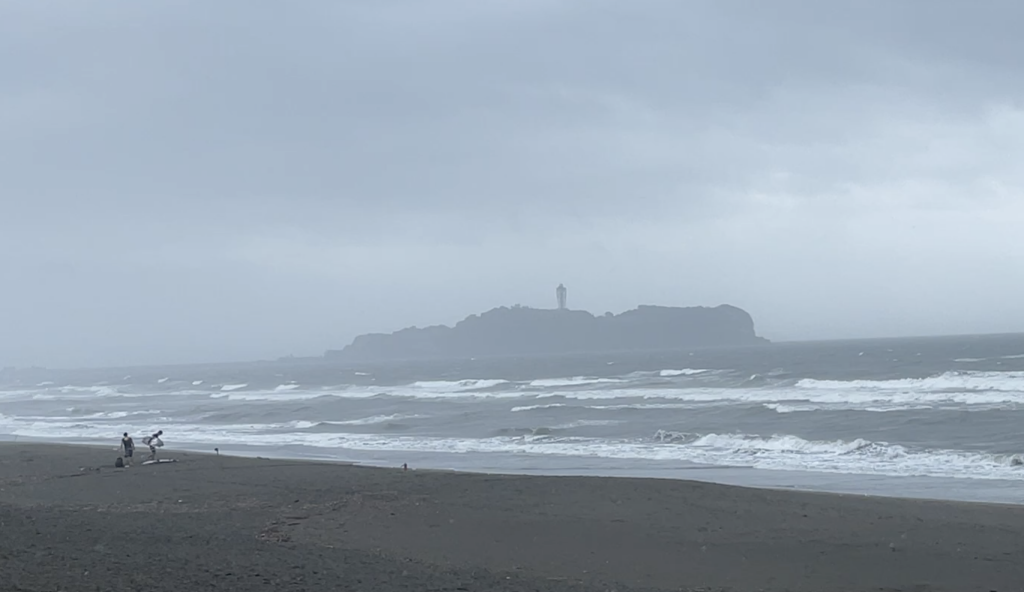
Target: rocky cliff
(529, 331)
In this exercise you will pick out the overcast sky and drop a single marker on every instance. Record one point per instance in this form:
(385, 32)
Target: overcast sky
(204, 181)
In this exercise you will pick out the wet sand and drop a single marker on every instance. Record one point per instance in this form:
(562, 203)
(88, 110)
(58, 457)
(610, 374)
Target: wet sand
(70, 521)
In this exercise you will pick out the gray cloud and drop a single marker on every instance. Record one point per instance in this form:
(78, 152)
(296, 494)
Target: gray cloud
(194, 181)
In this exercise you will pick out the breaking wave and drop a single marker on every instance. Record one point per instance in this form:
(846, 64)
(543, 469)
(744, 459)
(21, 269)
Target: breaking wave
(375, 419)
(797, 408)
(577, 381)
(536, 407)
(683, 372)
(458, 385)
(860, 456)
(953, 381)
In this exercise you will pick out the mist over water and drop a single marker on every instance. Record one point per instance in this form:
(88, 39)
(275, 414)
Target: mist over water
(937, 417)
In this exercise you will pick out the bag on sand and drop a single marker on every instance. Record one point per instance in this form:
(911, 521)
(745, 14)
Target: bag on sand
(119, 463)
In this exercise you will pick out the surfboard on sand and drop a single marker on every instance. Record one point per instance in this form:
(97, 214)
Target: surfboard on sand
(159, 461)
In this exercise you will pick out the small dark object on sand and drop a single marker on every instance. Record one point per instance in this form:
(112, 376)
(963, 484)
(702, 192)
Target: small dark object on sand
(119, 463)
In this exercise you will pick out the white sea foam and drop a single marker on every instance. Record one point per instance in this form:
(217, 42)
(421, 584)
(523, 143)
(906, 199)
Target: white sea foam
(787, 452)
(163, 380)
(683, 372)
(75, 419)
(583, 423)
(269, 396)
(118, 414)
(375, 419)
(197, 382)
(536, 407)
(15, 394)
(806, 408)
(285, 387)
(351, 392)
(778, 443)
(947, 381)
(636, 406)
(306, 424)
(575, 381)
(457, 385)
(643, 406)
(73, 392)
(233, 387)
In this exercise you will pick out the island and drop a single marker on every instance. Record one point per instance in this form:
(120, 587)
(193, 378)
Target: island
(519, 330)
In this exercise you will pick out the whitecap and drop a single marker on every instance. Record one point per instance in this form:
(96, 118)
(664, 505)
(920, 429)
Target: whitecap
(575, 381)
(947, 381)
(683, 372)
(536, 407)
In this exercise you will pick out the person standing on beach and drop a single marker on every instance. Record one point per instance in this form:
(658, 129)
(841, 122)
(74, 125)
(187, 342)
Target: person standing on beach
(128, 446)
(153, 442)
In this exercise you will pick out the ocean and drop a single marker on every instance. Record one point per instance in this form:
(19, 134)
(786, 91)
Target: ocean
(924, 417)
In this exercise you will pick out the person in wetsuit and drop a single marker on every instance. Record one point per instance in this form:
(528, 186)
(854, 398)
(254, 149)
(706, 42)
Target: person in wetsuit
(128, 446)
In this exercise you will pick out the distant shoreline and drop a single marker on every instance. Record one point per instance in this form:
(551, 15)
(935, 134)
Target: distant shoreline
(320, 359)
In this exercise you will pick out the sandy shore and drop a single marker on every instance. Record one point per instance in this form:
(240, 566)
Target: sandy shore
(70, 521)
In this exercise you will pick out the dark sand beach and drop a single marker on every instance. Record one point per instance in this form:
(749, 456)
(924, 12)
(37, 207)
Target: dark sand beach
(70, 521)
